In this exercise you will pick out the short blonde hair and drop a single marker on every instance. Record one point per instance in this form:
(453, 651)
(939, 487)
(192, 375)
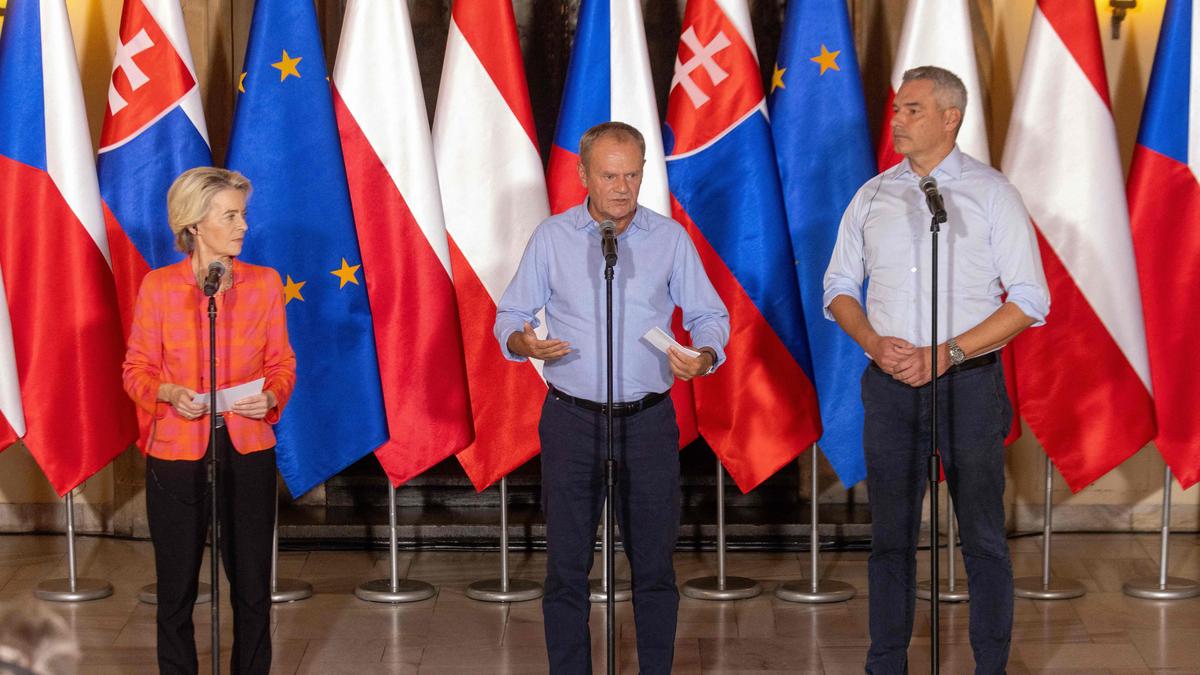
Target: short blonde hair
(191, 195)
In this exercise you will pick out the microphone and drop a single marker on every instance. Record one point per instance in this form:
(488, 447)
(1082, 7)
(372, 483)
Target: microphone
(212, 281)
(608, 242)
(933, 198)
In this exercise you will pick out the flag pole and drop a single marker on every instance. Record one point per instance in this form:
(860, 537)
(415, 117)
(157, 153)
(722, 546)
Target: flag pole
(284, 590)
(598, 588)
(504, 589)
(394, 589)
(721, 587)
(1163, 587)
(74, 588)
(816, 589)
(948, 591)
(1044, 587)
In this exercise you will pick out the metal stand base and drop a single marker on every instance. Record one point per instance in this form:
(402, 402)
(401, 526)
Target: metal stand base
(1149, 588)
(959, 594)
(827, 590)
(380, 590)
(149, 594)
(710, 588)
(492, 590)
(1032, 588)
(622, 592)
(291, 590)
(59, 590)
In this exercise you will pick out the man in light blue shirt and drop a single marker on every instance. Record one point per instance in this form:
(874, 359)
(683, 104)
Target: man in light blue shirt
(562, 272)
(987, 249)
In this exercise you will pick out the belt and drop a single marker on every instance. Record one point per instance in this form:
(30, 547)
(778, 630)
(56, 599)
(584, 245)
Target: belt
(977, 362)
(618, 409)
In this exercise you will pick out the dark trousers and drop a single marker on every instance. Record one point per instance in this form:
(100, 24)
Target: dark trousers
(178, 508)
(646, 447)
(973, 418)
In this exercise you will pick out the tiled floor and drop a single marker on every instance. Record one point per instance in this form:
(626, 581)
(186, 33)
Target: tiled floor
(333, 632)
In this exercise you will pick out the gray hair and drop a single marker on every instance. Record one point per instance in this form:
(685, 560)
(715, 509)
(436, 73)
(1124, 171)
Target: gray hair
(948, 89)
(618, 131)
(191, 195)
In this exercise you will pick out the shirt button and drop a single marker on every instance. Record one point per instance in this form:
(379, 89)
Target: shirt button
(913, 269)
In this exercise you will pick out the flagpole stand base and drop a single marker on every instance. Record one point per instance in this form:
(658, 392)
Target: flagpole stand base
(1148, 588)
(710, 588)
(959, 594)
(492, 590)
(622, 591)
(1032, 588)
(149, 594)
(827, 590)
(291, 590)
(407, 590)
(59, 590)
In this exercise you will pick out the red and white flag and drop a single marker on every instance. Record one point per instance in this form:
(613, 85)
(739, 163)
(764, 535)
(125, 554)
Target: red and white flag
(66, 330)
(493, 195)
(1084, 377)
(12, 416)
(938, 33)
(384, 129)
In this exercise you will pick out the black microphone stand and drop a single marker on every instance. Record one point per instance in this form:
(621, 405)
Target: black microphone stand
(214, 532)
(610, 474)
(938, 217)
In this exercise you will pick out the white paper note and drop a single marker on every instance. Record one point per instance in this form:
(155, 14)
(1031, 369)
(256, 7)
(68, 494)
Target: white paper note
(226, 397)
(662, 341)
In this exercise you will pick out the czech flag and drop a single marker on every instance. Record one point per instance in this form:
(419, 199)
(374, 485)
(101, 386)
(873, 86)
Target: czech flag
(759, 411)
(1164, 207)
(66, 341)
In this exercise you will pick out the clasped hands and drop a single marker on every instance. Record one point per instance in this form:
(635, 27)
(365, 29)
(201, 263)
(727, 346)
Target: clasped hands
(526, 343)
(906, 363)
(254, 407)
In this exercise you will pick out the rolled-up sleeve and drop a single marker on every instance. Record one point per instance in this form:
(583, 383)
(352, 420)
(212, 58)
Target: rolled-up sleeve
(527, 293)
(847, 267)
(704, 315)
(1017, 260)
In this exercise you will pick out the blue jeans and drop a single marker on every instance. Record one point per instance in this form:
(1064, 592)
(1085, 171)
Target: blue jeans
(646, 447)
(974, 415)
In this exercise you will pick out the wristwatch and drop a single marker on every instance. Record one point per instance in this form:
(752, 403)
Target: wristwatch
(957, 356)
(713, 353)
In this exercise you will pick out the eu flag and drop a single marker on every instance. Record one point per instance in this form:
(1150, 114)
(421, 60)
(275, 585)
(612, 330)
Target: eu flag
(819, 123)
(285, 140)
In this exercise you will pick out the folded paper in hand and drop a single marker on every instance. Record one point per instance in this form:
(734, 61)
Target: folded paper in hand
(662, 341)
(228, 396)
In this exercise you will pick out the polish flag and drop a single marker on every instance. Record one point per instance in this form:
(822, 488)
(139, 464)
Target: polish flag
(386, 145)
(1164, 207)
(66, 330)
(493, 196)
(938, 33)
(1084, 377)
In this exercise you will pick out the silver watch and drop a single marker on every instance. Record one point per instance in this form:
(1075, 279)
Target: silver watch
(957, 356)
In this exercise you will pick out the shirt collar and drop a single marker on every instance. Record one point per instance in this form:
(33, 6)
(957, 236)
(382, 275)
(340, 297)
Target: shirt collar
(583, 217)
(949, 168)
(181, 272)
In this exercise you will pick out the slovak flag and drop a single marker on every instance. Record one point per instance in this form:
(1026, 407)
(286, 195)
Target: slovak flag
(759, 411)
(1164, 208)
(938, 33)
(493, 196)
(1084, 377)
(67, 345)
(406, 259)
(610, 46)
(153, 131)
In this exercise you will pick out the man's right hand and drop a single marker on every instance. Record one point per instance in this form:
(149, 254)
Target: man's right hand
(527, 344)
(892, 354)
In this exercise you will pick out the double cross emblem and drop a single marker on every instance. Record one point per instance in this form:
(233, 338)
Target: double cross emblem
(124, 61)
(702, 57)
